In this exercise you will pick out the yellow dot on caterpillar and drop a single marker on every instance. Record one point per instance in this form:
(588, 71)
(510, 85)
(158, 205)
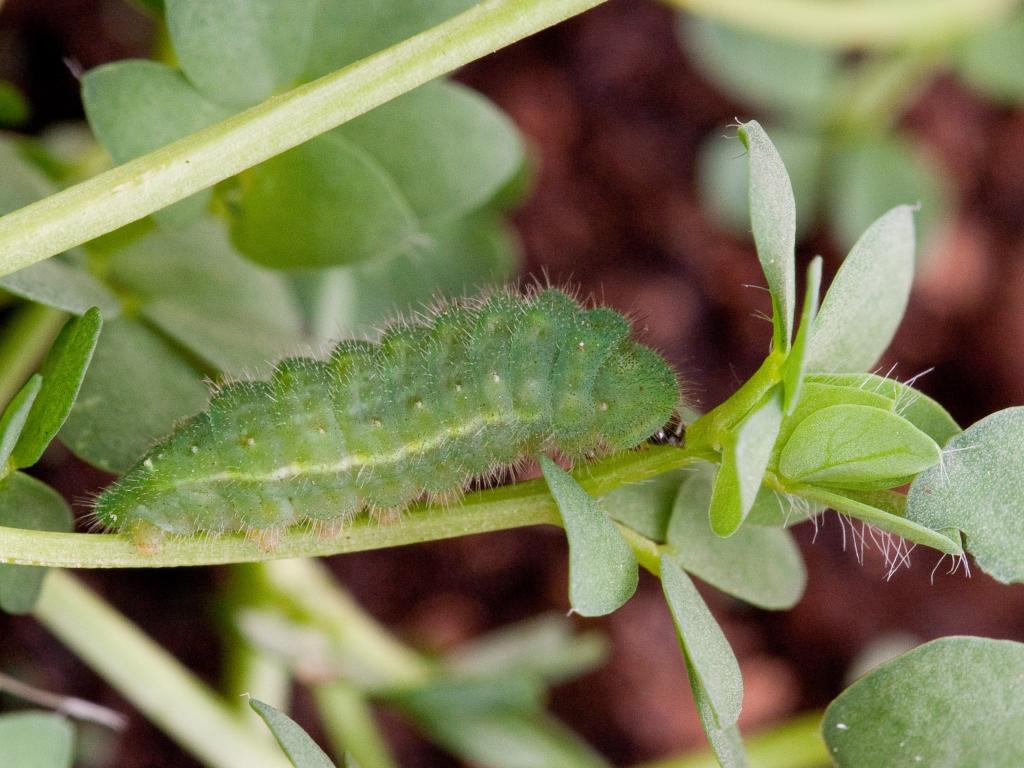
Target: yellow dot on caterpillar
(378, 423)
(418, 403)
(458, 387)
(582, 345)
(321, 431)
(194, 449)
(250, 441)
(148, 463)
(495, 378)
(602, 407)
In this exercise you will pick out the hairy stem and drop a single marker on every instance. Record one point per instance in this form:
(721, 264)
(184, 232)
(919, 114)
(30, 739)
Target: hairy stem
(497, 509)
(156, 683)
(145, 185)
(856, 23)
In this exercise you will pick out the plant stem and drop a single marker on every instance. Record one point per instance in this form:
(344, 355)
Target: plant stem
(156, 683)
(70, 706)
(348, 721)
(856, 23)
(796, 743)
(497, 509)
(27, 337)
(147, 184)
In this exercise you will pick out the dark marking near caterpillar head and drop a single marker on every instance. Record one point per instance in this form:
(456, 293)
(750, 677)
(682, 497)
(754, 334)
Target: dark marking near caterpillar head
(434, 406)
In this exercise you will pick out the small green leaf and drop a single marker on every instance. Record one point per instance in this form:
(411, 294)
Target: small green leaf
(63, 372)
(856, 446)
(796, 360)
(269, 43)
(956, 701)
(774, 509)
(872, 175)
(36, 740)
(136, 106)
(347, 30)
(137, 387)
(324, 203)
(447, 148)
(745, 458)
(457, 696)
(758, 565)
(993, 61)
(710, 659)
(195, 287)
(794, 82)
(979, 488)
(296, 743)
(64, 286)
(914, 406)
(726, 743)
(773, 221)
(865, 303)
(603, 571)
(646, 507)
(27, 503)
(12, 422)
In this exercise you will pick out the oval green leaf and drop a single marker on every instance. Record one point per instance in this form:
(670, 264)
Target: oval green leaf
(758, 565)
(856, 446)
(647, 507)
(865, 303)
(710, 660)
(603, 570)
(238, 52)
(956, 701)
(979, 489)
(12, 422)
(36, 740)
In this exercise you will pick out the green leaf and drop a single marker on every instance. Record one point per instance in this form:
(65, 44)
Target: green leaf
(64, 286)
(979, 488)
(296, 743)
(993, 61)
(725, 742)
(239, 52)
(12, 422)
(710, 660)
(955, 701)
(324, 203)
(871, 176)
(542, 647)
(796, 361)
(13, 107)
(195, 287)
(347, 30)
(36, 740)
(27, 503)
(795, 82)
(603, 571)
(774, 509)
(467, 696)
(63, 372)
(773, 221)
(136, 106)
(758, 565)
(646, 507)
(137, 387)
(865, 303)
(447, 148)
(914, 406)
(745, 458)
(856, 446)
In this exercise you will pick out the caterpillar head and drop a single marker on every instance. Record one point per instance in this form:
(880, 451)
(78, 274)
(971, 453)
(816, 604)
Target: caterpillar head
(636, 393)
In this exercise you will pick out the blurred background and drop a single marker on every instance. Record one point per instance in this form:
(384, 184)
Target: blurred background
(634, 194)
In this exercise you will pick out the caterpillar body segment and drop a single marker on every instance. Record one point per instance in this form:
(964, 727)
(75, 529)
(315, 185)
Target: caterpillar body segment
(431, 406)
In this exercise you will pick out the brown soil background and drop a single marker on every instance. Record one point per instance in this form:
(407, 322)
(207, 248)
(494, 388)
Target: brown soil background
(614, 112)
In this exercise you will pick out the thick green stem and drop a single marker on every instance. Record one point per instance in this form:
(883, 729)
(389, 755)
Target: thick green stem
(145, 185)
(856, 23)
(156, 683)
(497, 509)
(26, 338)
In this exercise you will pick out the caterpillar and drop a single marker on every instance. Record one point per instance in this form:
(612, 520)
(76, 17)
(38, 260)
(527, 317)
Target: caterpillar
(434, 404)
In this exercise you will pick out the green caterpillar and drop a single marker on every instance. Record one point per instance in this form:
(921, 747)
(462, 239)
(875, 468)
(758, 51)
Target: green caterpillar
(435, 404)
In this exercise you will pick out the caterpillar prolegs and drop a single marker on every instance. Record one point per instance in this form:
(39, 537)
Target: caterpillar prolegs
(433, 405)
